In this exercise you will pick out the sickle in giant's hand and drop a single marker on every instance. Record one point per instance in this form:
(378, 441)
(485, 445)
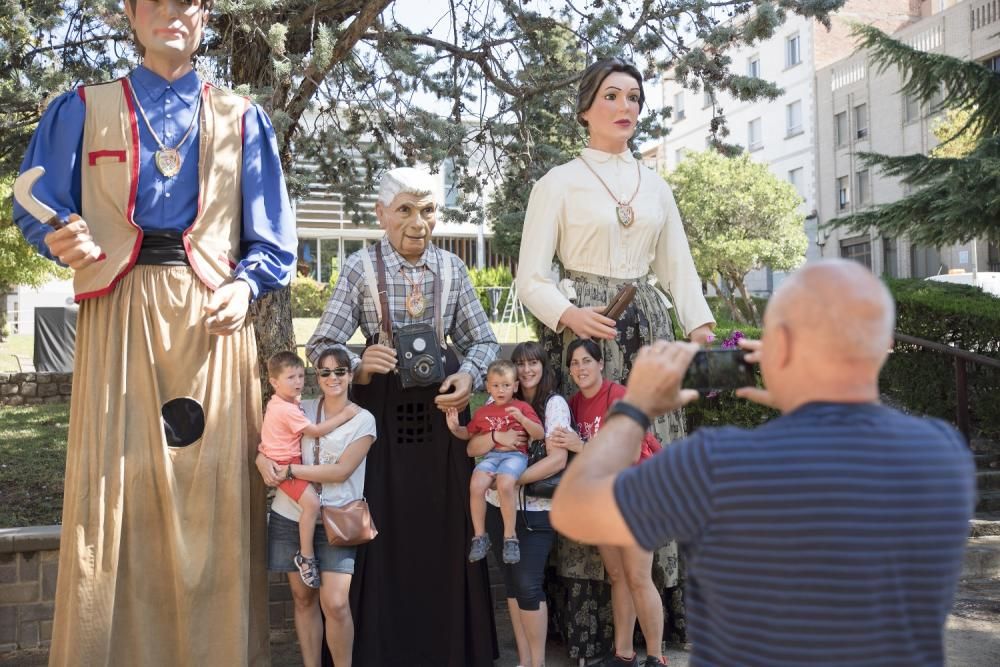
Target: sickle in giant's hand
(22, 193)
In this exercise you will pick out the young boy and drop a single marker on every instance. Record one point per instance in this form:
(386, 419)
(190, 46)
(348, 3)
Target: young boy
(281, 441)
(503, 414)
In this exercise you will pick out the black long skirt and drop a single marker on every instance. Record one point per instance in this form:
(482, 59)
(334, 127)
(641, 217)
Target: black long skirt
(415, 598)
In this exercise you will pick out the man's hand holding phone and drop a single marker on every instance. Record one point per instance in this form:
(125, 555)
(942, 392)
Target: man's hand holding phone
(752, 392)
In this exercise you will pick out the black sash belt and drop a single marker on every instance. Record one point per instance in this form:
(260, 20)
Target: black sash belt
(164, 248)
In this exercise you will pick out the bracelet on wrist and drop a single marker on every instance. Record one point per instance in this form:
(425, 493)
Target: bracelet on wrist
(630, 411)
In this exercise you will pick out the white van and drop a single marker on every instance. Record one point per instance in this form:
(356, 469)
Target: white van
(988, 281)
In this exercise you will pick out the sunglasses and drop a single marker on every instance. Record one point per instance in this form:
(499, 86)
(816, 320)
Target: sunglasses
(340, 371)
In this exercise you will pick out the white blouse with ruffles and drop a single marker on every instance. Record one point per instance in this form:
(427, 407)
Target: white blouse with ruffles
(572, 216)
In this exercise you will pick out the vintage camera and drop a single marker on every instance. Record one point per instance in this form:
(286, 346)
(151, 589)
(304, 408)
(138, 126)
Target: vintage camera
(418, 352)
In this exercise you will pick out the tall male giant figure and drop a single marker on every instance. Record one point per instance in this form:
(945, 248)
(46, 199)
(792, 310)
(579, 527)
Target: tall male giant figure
(177, 217)
(415, 599)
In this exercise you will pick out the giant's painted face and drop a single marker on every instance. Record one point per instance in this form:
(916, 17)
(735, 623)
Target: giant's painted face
(408, 222)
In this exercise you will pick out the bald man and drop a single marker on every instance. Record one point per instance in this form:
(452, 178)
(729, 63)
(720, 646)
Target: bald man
(832, 535)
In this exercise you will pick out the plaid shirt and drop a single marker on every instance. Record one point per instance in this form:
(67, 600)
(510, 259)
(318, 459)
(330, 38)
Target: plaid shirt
(351, 305)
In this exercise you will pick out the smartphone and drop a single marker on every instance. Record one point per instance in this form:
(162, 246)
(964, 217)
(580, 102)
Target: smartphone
(719, 370)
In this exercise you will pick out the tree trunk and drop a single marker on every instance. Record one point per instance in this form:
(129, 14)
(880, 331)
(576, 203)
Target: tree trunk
(748, 300)
(272, 321)
(726, 295)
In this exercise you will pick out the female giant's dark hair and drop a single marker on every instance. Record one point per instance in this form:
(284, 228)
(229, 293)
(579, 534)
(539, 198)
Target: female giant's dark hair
(533, 351)
(594, 76)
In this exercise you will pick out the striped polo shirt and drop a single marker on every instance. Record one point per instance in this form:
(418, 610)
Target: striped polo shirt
(832, 535)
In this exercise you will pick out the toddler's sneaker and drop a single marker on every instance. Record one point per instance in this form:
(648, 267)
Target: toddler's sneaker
(511, 551)
(308, 569)
(480, 546)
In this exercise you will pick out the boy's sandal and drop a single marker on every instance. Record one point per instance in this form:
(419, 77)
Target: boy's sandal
(308, 569)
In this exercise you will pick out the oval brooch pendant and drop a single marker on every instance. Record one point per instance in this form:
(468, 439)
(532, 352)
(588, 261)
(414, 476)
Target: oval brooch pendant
(168, 161)
(415, 305)
(626, 214)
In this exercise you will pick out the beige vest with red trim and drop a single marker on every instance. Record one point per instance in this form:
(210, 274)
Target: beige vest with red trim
(109, 177)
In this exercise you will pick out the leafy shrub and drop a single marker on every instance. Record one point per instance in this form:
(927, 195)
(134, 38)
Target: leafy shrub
(923, 381)
(309, 297)
(491, 276)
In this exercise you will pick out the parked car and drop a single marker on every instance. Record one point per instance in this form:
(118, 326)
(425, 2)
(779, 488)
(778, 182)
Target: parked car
(988, 281)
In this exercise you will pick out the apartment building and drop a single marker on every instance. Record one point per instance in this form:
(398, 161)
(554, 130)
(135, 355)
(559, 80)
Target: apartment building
(860, 109)
(781, 133)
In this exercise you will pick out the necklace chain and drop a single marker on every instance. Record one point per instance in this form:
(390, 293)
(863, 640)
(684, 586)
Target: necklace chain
(168, 160)
(415, 304)
(624, 210)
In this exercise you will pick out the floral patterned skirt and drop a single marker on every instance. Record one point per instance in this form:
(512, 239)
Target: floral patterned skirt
(578, 590)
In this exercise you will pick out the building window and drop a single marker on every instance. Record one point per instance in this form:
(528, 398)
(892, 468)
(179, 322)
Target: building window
(793, 118)
(708, 99)
(753, 67)
(840, 128)
(861, 120)
(890, 258)
(755, 140)
(860, 250)
(925, 261)
(679, 155)
(911, 109)
(793, 50)
(678, 107)
(862, 182)
(936, 102)
(307, 262)
(993, 64)
(795, 178)
(843, 198)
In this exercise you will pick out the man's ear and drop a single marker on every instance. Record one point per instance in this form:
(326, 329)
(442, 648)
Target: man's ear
(782, 342)
(380, 213)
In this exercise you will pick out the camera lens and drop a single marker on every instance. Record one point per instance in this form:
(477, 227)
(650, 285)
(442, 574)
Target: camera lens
(423, 367)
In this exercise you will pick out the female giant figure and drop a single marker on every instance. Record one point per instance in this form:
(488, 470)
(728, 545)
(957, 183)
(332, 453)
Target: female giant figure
(610, 222)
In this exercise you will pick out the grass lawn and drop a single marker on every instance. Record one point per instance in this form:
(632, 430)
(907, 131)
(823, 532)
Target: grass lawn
(18, 345)
(33, 455)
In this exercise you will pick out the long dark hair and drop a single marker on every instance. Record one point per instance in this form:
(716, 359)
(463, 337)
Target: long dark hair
(595, 75)
(533, 351)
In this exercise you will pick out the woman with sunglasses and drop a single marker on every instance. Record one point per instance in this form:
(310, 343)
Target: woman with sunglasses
(524, 581)
(337, 461)
(611, 222)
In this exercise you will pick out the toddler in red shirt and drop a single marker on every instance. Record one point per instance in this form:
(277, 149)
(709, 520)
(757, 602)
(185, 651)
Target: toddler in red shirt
(504, 414)
(281, 441)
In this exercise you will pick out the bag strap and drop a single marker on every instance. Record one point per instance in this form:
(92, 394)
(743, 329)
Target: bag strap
(385, 324)
(319, 418)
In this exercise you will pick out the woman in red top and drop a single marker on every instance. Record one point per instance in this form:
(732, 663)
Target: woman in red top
(629, 569)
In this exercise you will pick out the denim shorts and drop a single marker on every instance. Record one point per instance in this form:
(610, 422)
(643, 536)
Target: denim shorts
(503, 463)
(283, 542)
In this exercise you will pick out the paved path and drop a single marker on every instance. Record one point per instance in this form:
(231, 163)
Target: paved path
(973, 637)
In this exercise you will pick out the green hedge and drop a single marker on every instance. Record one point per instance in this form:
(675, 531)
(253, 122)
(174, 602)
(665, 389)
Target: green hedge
(923, 381)
(491, 276)
(309, 297)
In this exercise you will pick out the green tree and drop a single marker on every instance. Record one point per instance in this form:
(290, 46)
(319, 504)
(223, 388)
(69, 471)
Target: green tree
(957, 187)
(341, 79)
(19, 263)
(955, 139)
(738, 217)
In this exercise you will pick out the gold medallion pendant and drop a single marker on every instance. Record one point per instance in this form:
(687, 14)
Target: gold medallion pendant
(168, 161)
(415, 305)
(626, 214)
